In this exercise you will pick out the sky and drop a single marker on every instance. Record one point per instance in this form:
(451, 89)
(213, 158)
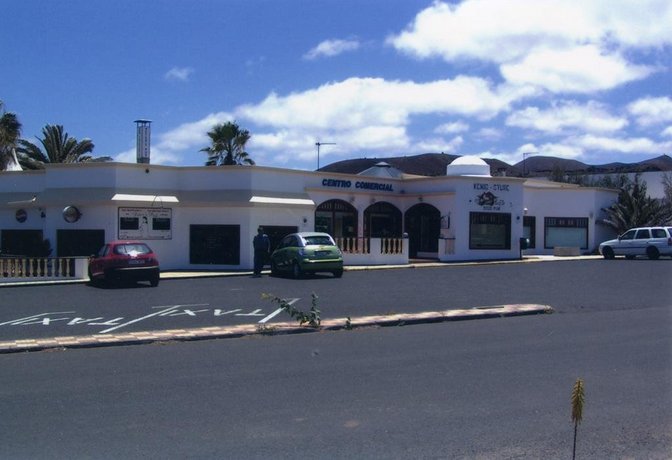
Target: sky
(589, 80)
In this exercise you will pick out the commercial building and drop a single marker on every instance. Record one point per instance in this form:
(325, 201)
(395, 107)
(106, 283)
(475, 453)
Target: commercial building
(205, 217)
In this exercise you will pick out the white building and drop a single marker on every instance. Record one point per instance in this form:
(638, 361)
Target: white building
(205, 217)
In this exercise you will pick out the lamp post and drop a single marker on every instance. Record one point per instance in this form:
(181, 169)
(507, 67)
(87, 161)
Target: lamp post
(318, 150)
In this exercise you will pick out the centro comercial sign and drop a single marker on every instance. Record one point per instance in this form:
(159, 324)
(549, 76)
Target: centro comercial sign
(362, 185)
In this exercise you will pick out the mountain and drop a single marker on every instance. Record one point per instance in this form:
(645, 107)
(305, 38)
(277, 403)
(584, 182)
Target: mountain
(434, 164)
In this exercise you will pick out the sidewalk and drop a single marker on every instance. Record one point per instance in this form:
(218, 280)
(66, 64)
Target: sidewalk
(186, 274)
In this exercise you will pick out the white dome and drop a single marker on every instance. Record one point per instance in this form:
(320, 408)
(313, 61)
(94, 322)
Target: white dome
(468, 165)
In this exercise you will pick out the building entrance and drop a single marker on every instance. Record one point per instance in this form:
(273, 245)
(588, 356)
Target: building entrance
(382, 220)
(422, 222)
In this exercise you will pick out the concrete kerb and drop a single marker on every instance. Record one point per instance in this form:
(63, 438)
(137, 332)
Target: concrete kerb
(209, 333)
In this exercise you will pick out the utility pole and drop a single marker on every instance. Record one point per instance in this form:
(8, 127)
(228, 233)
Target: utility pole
(318, 150)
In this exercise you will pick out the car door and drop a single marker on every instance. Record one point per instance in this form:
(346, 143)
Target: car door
(624, 246)
(96, 263)
(641, 241)
(281, 254)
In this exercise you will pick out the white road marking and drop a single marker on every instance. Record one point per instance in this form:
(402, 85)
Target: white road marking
(138, 319)
(33, 317)
(275, 313)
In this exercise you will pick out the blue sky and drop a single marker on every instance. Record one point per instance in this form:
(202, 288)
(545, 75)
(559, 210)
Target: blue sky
(588, 80)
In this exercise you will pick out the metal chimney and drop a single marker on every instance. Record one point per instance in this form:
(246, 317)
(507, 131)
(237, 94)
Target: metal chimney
(143, 140)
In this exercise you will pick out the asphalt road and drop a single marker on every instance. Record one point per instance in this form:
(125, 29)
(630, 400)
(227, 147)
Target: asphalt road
(490, 389)
(70, 310)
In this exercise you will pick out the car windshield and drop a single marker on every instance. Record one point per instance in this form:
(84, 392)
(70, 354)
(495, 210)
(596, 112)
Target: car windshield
(316, 240)
(132, 249)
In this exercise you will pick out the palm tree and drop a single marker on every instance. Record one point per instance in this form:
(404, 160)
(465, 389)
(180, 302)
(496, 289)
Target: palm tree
(635, 208)
(57, 147)
(228, 145)
(10, 131)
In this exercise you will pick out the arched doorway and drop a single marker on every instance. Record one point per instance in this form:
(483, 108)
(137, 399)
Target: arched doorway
(423, 225)
(337, 218)
(382, 220)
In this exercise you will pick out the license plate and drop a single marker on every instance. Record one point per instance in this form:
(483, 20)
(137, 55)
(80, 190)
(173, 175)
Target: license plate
(321, 253)
(136, 262)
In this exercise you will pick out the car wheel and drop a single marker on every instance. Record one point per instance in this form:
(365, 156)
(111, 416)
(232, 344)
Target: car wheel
(154, 280)
(652, 252)
(338, 273)
(274, 269)
(296, 271)
(608, 253)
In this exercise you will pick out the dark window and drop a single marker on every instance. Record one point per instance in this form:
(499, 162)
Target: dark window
(22, 243)
(161, 223)
(489, 230)
(566, 231)
(630, 234)
(277, 232)
(72, 243)
(129, 223)
(214, 244)
(643, 234)
(337, 218)
(382, 220)
(530, 230)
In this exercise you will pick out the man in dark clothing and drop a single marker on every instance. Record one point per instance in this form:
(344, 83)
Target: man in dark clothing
(262, 248)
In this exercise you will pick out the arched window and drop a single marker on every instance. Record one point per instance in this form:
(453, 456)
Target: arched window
(382, 220)
(336, 217)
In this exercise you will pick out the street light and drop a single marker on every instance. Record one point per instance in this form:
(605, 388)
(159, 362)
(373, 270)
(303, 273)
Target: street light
(318, 150)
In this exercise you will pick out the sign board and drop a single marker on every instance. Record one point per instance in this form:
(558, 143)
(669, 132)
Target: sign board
(145, 223)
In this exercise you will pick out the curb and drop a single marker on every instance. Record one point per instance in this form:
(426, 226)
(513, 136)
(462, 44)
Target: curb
(229, 332)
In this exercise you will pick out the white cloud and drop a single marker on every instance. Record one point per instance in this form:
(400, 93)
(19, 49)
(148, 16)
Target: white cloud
(330, 48)
(556, 45)
(491, 134)
(179, 74)
(620, 145)
(435, 145)
(581, 69)
(667, 132)
(452, 128)
(357, 102)
(590, 117)
(651, 110)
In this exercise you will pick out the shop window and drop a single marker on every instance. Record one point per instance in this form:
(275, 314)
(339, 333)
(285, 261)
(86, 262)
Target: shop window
(566, 231)
(214, 244)
(73, 243)
(22, 243)
(337, 218)
(530, 230)
(382, 220)
(489, 230)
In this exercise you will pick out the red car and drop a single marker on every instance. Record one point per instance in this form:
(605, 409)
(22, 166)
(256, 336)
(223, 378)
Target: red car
(124, 260)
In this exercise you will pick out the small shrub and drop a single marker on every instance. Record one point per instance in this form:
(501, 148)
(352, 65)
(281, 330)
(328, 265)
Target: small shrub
(312, 318)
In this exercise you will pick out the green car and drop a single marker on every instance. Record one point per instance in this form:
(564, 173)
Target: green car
(307, 252)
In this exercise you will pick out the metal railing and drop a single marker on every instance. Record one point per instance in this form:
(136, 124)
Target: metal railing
(38, 267)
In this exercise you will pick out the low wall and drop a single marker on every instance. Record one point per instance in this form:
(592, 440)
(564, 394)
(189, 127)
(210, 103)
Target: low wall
(13, 269)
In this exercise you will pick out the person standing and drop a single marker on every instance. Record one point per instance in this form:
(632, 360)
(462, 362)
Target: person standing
(262, 248)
